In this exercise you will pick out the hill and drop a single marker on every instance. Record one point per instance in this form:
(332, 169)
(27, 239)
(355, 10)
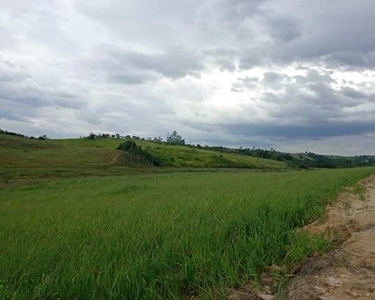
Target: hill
(21, 157)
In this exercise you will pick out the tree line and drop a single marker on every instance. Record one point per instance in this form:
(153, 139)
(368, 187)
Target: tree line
(42, 137)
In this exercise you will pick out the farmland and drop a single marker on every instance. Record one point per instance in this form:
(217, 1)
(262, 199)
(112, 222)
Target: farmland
(157, 236)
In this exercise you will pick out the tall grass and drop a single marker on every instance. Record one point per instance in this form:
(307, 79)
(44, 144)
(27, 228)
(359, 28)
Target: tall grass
(165, 236)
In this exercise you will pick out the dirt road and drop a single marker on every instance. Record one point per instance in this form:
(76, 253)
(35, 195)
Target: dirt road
(349, 271)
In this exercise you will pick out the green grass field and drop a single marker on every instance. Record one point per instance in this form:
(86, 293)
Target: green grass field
(22, 158)
(156, 236)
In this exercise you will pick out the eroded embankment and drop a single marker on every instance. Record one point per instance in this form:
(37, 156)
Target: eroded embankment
(348, 272)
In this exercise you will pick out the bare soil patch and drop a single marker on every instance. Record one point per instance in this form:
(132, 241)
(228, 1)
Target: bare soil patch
(347, 272)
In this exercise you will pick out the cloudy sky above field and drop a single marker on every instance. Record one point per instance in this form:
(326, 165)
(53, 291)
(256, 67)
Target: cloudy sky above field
(293, 75)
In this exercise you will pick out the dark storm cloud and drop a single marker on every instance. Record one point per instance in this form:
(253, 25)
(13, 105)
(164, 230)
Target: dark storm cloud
(352, 93)
(33, 95)
(272, 77)
(312, 97)
(173, 64)
(12, 116)
(249, 83)
(316, 130)
(18, 87)
(308, 107)
(334, 31)
(283, 29)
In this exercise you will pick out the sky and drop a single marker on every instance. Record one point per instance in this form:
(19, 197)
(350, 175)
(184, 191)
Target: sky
(294, 75)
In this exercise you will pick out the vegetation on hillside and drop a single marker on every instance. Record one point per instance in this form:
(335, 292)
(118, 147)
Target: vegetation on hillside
(137, 153)
(312, 160)
(303, 160)
(42, 137)
(23, 158)
(95, 151)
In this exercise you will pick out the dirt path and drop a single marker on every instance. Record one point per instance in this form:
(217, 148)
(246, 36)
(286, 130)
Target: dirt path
(349, 271)
(114, 160)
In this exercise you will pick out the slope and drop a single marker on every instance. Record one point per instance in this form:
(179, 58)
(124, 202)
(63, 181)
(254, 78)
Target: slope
(30, 158)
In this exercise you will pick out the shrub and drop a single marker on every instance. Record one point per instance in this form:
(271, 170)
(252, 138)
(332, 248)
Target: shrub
(127, 146)
(131, 147)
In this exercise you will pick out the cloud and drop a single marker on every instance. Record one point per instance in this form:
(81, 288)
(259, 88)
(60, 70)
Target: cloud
(252, 71)
(21, 89)
(309, 131)
(172, 64)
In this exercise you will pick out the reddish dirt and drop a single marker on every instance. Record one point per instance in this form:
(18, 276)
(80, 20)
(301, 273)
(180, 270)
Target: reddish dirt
(348, 272)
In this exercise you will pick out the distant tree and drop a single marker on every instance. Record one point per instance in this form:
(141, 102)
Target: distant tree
(92, 136)
(113, 136)
(117, 135)
(158, 139)
(175, 139)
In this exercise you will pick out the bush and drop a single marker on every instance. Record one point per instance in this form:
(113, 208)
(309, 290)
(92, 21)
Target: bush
(127, 146)
(131, 147)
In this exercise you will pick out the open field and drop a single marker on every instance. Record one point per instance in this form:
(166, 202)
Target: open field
(22, 158)
(157, 236)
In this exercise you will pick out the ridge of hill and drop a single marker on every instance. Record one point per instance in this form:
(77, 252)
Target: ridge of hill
(21, 157)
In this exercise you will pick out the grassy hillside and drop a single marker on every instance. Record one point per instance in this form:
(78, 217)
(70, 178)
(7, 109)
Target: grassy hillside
(155, 236)
(183, 156)
(24, 158)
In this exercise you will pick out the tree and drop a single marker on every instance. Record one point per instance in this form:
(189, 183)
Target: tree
(117, 135)
(175, 139)
(158, 139)
(92, 136)
(128, 146)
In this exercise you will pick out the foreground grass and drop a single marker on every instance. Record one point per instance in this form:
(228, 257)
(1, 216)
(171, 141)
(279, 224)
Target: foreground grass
(163, 236)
